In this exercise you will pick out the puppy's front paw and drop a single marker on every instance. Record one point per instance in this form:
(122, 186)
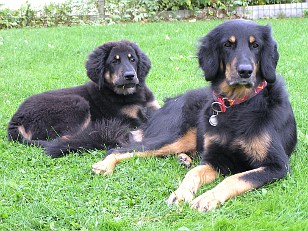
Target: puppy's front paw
(106, 166)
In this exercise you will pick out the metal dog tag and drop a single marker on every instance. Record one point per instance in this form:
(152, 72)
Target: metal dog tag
(213, 120)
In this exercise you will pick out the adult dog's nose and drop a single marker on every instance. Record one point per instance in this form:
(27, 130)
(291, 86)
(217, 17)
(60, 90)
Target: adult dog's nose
(244, 70)
(129, 75)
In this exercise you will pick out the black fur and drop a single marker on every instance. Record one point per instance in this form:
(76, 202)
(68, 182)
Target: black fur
(98, 114)
(258, 133)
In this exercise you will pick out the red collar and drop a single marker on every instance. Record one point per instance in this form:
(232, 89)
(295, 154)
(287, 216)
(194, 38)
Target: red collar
(225, 103)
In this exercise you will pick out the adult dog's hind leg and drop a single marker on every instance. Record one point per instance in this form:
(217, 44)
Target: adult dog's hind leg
(186, 143)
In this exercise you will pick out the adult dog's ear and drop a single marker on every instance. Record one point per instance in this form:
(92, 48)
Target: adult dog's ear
(144, 63)
(95, 64)
(208, 57)
(269, 56)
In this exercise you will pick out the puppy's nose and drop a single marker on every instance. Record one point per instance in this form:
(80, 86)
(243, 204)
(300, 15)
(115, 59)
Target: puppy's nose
(129, 75)
(244, 70)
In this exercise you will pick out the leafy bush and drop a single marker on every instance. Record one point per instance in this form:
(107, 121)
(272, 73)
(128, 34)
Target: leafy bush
(68, 13)
(86, 11)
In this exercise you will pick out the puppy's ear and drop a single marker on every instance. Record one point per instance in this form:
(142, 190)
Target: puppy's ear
(95, 64)
(144, 63)
(269, 56)
(208, 57)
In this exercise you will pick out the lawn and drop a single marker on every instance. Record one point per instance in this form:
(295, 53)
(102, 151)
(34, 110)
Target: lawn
(40, 193)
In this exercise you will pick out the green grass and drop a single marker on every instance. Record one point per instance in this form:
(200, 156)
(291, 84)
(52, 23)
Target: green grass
(39, 193)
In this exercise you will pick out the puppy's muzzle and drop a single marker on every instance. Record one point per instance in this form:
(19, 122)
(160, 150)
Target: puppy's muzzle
(129, 75)
(129, 80)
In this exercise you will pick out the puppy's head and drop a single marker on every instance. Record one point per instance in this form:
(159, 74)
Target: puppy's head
(237, 55)
(120, 66)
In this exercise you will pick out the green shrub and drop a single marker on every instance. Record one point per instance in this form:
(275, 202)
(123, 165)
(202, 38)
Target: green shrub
(51, 15)
(74, 12)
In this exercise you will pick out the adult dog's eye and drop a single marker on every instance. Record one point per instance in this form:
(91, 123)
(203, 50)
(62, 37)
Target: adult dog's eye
(255, 45)
(228, 44)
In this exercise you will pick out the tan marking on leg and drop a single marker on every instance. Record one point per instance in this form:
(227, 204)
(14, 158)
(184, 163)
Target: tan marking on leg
(153, 105)
(106, 166)
(86, 122)
(256, 147)
(194, 179)
(230, 187)
(213, 138)
(66, 137)
(187, 143)
(131, 111)
(82, 127)
(24, 133)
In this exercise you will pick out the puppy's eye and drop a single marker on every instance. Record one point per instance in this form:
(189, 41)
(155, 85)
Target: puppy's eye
(228, 44)
(132, 60)
(115, 61)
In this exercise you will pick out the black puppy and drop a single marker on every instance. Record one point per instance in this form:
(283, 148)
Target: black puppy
(243, 124)
(96, 115)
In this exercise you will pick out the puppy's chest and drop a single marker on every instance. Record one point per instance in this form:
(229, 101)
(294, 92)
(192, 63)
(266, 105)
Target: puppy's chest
(133, 111)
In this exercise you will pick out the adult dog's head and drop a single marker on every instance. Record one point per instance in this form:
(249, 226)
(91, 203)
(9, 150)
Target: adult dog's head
(120, 66)
(237, 55)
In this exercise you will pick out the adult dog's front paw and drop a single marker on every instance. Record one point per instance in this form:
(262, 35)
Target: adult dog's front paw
(205, 202)
(180, 195)
(106, 166)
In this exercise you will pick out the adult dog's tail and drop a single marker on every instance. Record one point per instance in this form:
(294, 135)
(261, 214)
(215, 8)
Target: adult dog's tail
(101, 135)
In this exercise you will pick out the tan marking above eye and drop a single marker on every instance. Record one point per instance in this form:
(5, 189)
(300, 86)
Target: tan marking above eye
(232, 39)
(117, 57)
(252, 39)
(129, 55)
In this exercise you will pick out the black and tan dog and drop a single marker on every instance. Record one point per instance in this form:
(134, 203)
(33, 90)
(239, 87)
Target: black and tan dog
(96, 115)
(243, 124)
